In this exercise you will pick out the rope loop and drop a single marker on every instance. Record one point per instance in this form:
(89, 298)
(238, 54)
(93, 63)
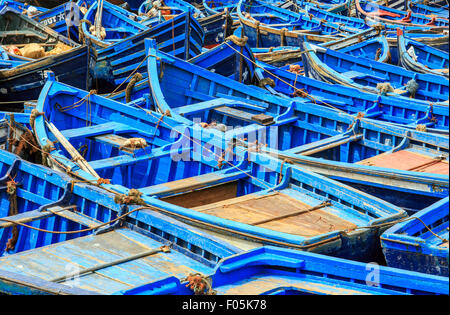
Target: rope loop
(238, 40)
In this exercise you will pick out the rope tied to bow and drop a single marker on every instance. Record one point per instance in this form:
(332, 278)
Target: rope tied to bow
(81, 37)
(45, 152)
(11, 190)
(33, 115)
(103, 181)
(239, 41)
(200, 284)
(266, 81)
(129, 88)
(133, 198)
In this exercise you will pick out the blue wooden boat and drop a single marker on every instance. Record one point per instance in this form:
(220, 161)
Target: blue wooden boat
(134, 4)
(226, 59)
(147, 244)
(277, 271)
(115, 25)
(168, 9)
(372, 46)
(410, 113)
(70, 66)
(55, 18)
(336, 18)
(378, 13)
(213, 7)
(116, 64)
(216, 28)
(410, 245)
(438, 8)
(334, 6)
(421, 8)
(201, 179)
(266, 25)
(421, 58)
(360, 23)
(22, 7)
(372, 76)
(219, 100)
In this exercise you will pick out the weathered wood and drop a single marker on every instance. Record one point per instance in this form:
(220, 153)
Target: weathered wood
(84, 165)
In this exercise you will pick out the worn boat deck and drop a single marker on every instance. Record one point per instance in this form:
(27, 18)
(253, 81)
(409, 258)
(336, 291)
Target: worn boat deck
(64, 258)
(408, 161)
(255, 209)
(264, 284)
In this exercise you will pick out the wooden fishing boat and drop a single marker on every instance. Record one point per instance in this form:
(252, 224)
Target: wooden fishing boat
(421, 58)
(278, 271)
(134, 4)
(116, 64)
(68, 60)
(226, 60)
(102, 238)
(269, 26)
(341, 7)
(248, 182)
(371, 76)
(326, 152)
(168, 9)
(407, 112)
(113, 26)
(418, 6)
(378, 13)
(24, 8)
(368, 44)
(410, 245)
(336, 18)
(216, 28)
(421, 8)
(213, 7)
(55, 18)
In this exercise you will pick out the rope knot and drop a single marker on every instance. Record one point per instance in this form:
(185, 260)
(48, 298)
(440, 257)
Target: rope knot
(134, 143)
(384, 88)
(133, 198)
(266, 81)
(136, 78)
(421, 127)
(237, 40)
(295, 69)
(11, 187)
(103, 181)
(34, 113)
(300, 93)
(200, 284)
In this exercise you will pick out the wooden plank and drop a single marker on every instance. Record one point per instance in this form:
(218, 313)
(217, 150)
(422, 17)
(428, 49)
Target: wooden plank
(33, 215)
(192, 183)
(253, 207)
(408, 161)
(96, 130)
(77, 217)
(204, 196)
(84, 165)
